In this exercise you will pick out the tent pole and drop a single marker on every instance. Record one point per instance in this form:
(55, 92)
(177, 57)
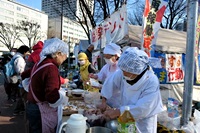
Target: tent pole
(192, 8)
(69, 65)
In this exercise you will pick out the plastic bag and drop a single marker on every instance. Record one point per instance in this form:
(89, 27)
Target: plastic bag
(94, 82)
(193, 126)
(196, 121)
(168, 122)
(172, 107)
(25, 84)
(189, 128)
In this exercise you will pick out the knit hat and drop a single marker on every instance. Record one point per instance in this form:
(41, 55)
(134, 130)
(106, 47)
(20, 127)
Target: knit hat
(82, 56)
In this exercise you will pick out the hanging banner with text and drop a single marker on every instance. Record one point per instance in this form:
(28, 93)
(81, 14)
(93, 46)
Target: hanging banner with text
(113, 29)
(197, 71)
(152, 17)
(172, 70)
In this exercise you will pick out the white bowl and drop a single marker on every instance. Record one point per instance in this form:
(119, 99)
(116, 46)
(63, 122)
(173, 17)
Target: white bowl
(77, 91)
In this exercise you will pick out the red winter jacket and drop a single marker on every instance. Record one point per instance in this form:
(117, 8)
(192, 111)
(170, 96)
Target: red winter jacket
(45, 83)
(35, 56)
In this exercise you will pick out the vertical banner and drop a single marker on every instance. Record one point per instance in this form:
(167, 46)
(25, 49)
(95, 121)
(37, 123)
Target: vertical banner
(161, 73)
(175, 68)
(113, 29)
(172, 70)
(197, 74)
(152, 17)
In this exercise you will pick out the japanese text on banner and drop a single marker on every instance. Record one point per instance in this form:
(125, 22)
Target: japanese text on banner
(113, 29)
(153, 13)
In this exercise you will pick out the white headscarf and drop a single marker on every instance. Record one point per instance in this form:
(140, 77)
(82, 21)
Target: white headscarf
(53, 45)
(112, 49)
(133, 60)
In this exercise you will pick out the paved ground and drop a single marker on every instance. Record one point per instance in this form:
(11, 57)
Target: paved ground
(8, 122)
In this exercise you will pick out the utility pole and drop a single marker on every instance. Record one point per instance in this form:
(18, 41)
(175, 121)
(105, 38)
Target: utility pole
(192, 9)
(61, 27)
(69, 54)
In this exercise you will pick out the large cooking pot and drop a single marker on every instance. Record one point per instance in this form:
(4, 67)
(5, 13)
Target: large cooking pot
(112, 124)
(98, 130)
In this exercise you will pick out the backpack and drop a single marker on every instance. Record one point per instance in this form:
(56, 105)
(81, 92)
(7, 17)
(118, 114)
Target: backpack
(9, 68)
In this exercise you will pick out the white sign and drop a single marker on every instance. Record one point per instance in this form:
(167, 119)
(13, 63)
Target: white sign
(113, 29)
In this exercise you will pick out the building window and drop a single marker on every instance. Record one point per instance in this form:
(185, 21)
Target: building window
(6, 18)
(22, 16)
(6, 11)
(6, 5)
(22, 10)
(35, 20)
(19, 8)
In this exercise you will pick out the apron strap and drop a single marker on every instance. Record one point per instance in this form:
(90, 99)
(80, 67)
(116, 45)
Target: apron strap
(33, 73)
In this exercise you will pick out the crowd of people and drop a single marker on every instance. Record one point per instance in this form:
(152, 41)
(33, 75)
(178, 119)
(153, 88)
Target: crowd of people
(127, 80)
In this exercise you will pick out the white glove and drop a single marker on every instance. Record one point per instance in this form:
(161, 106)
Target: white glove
(62, 100)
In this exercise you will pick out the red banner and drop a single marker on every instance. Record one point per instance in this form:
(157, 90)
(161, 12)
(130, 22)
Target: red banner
(152, 17)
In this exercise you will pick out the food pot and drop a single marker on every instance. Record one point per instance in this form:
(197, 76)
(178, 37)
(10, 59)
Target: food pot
(98, 130)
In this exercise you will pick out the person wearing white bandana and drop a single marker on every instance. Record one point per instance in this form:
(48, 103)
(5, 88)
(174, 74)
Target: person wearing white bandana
(134, 85)
(45, 98)
(111, 55)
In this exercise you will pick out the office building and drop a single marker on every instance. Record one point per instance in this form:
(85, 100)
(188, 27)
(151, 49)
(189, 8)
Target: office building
(55, 8)
(63, 22)
(12, 12)
(72, 31)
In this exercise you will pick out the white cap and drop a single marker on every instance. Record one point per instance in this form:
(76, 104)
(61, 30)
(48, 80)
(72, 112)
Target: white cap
(133, 60)
(127, 108)
(112, 49)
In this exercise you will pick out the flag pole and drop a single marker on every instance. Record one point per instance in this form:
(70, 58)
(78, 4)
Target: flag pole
(192, 9)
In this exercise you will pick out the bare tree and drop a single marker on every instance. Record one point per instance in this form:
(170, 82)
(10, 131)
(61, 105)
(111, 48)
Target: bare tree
(101, 8)
(174, 14)
(31, 30)
(135, 15)
(9, 34)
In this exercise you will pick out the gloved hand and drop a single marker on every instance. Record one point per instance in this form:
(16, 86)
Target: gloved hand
(65, 99)
(102, 106)
(112, 113)
(94, 76)
(62, 91)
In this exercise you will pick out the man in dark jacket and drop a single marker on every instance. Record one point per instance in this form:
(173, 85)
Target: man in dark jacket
(88, 52)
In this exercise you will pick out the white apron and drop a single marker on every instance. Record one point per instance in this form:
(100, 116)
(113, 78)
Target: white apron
(51, 117)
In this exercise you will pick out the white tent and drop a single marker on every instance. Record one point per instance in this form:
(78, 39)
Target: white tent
(168, 41)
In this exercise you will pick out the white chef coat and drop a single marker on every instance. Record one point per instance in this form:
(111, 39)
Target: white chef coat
(143, 98)
(105, 72)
